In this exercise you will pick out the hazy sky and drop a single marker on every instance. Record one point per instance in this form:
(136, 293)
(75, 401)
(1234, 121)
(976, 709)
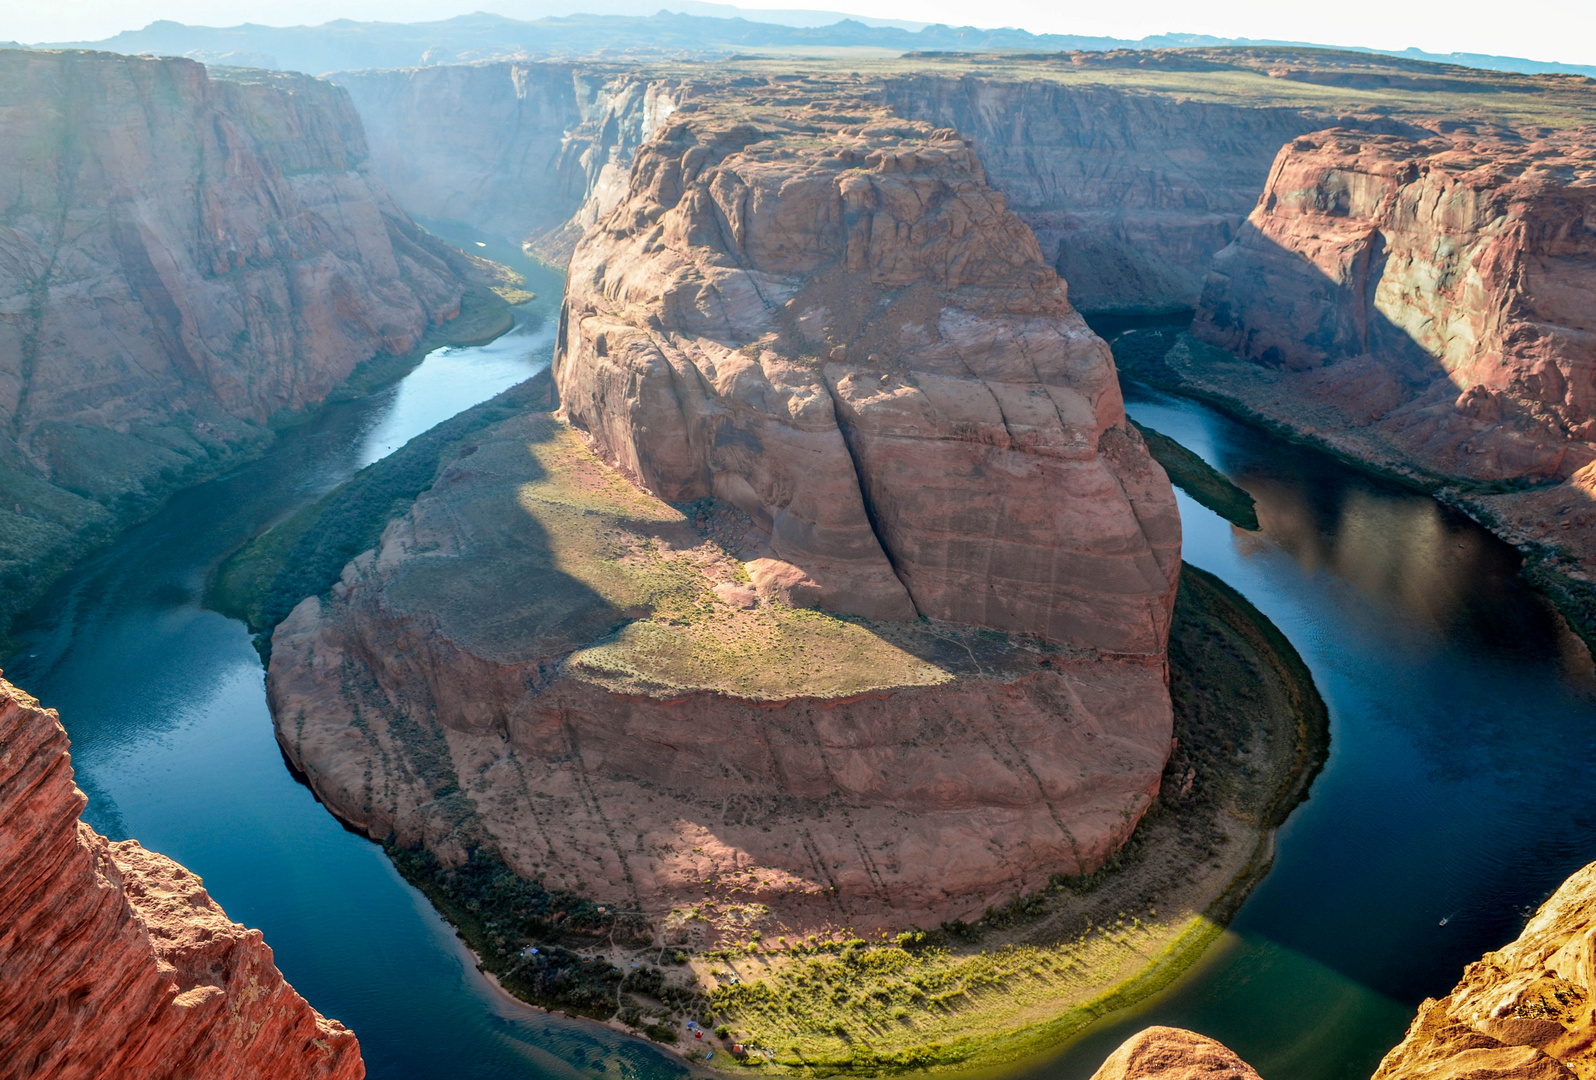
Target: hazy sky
(1540, 29)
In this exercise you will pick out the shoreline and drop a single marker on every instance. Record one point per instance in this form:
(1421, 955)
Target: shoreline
(1545, 566)
(371, 375)
(1195, 858)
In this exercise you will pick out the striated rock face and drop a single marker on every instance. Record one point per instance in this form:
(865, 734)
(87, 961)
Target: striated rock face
(182, 256)
(1130, 195)
(818, 382)
(1433, 293)
(533, 151)
(114, 961)
(1166, 1053)
(845, 333)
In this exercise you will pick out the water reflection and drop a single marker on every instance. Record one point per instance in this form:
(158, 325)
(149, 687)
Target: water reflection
(1463, 742)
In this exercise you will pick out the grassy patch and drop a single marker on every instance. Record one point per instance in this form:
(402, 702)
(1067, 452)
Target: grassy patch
(1252, 733)
(1201, 480)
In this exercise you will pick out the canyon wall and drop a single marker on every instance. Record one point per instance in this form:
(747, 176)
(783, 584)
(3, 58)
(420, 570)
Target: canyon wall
(1524, 1012)
(114, 961)
(1434, 293)
(837, 594)
(182, 257)
(517, 150)
(1130, 195)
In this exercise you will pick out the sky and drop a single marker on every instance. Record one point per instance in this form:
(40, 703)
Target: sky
(1563, 30)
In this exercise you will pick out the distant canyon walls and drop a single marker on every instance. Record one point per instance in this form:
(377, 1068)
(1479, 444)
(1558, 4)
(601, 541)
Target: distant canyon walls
(513, 149)
(1130, 195)
(1437, 292)
(115, 962)
(182, 257)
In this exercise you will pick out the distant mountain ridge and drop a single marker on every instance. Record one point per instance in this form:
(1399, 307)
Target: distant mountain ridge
(344, 44)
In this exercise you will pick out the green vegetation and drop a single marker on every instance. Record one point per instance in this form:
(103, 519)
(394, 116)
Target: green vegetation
(1201, 480)
(1252, 733)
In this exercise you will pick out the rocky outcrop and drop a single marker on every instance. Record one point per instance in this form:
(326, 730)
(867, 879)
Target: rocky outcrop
(1432, 293)
(1527, 1010)
(114, 961)
(840, 600)
(183, 256)
(1166, 1053)
(531, 151)
(858, 345)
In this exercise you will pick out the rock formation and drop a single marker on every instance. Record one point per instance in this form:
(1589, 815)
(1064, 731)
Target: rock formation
(1433, 293)
(1166, 1053)
(183, 256)
(868, 398)
(114, 961)
(1525, 1011)
(861, 348)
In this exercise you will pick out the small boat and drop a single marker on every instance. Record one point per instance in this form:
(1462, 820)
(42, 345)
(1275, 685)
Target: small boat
(1447, 918)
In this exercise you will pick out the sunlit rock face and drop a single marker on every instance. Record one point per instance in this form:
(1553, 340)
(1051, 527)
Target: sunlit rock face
(837, 594)
(844, 332)
(1434, 292)
(114, 961)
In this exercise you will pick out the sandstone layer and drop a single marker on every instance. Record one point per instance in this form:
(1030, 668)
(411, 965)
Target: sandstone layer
(1435, 293)
(183, 256)
(851, 608)
(841, 330)
(114, 961)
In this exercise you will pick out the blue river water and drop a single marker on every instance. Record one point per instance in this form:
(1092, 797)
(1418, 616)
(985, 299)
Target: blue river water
(1463, 742)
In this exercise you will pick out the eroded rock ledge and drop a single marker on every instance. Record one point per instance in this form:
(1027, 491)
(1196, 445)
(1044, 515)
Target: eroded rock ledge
(856, 617)
(114, 961)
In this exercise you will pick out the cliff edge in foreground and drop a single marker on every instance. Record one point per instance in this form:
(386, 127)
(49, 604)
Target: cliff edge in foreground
(114, 961)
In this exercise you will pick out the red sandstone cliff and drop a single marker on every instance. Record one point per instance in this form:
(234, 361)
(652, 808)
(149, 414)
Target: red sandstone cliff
(844, 332)
(834, 373)
(1434, 294)
(113, 960)
(183, 255)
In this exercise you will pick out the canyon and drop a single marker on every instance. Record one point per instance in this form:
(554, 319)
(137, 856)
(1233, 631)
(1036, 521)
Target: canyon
(113, 959)
(823, 588)
(185, 256)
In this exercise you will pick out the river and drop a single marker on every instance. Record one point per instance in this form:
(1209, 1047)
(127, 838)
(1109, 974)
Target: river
(1463, 739)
